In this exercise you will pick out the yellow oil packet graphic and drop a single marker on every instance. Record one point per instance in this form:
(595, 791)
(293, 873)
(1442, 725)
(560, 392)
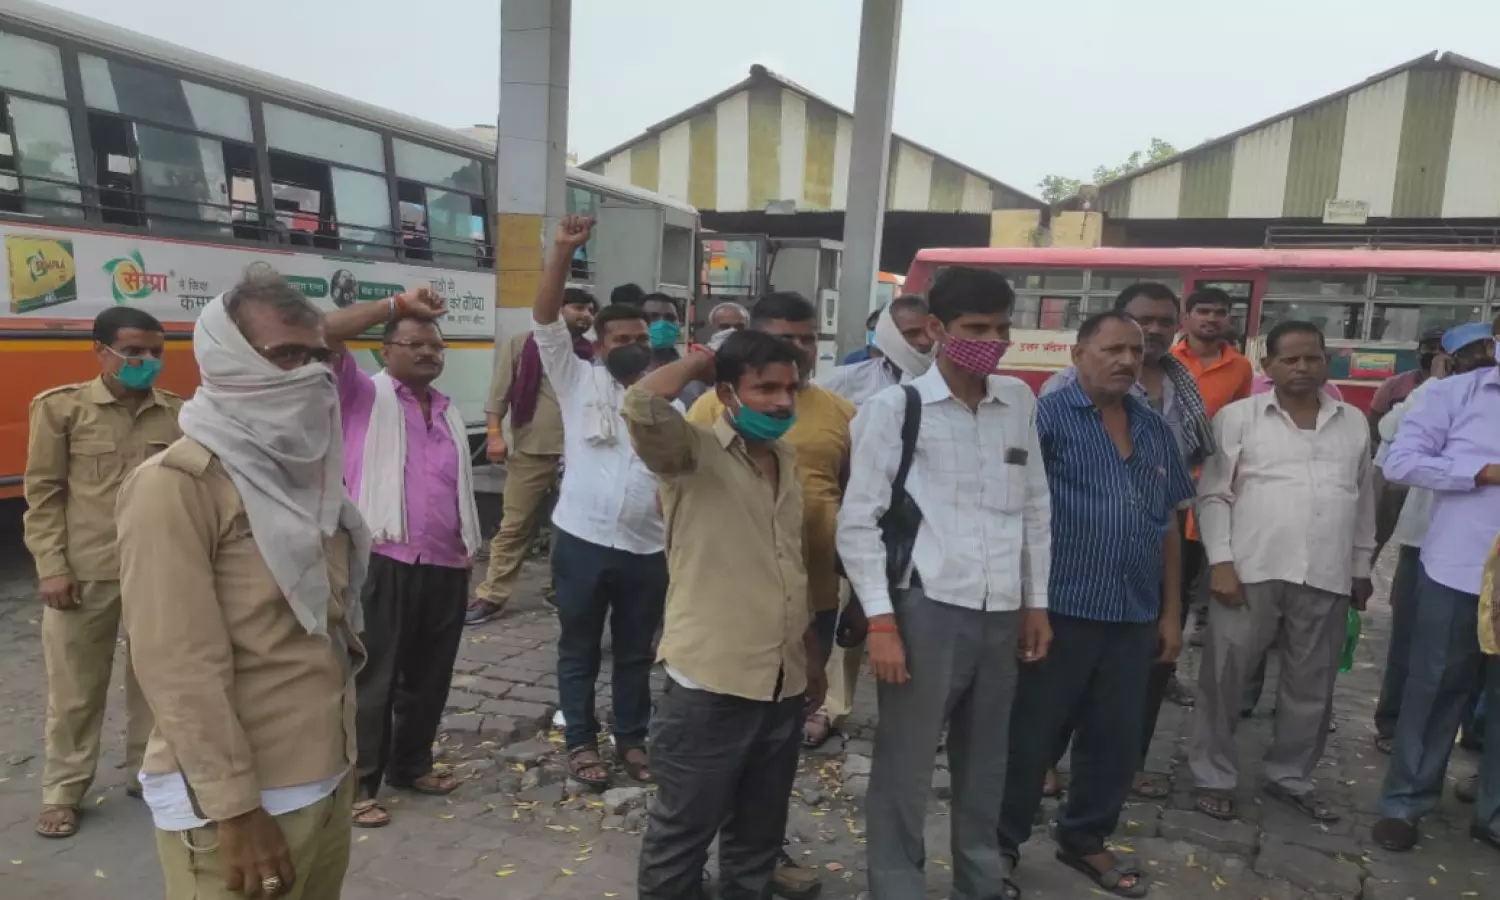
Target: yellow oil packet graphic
(42, 272)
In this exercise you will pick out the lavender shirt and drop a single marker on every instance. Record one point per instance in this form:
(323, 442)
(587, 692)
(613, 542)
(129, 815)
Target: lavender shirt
(434, 533)
(1449, 434)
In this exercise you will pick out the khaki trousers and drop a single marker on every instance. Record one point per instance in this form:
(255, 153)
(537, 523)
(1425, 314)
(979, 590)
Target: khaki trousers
(1306, 628)
(528, 479)
(78, 646)
(842, 671)
(317, 837)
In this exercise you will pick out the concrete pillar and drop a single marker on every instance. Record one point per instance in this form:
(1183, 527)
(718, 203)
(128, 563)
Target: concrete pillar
(869, 160)
(531, 143)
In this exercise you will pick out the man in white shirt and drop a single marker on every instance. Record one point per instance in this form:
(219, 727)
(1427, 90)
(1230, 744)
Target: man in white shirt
(944, 633)
(905, 352)
(608, 546)
(1287, 511)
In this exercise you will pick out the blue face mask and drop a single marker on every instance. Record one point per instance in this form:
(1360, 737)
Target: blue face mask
(664, 334)
(759, 426)
(139, 372)
(870, 338)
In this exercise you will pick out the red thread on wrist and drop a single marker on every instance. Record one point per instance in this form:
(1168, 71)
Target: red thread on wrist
(889, 627)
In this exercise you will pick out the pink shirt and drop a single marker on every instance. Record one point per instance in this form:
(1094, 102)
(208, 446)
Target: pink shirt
(434, 535)
(1262, 385)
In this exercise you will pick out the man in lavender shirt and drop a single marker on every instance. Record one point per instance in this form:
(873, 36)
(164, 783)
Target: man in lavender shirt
(1448, 443)
(417, 587)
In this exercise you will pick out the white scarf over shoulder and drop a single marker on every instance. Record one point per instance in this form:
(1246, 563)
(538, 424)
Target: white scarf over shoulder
(382, 491)
(276, 433)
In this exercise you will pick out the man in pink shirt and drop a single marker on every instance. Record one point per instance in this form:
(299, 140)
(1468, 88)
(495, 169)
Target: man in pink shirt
(406, 466)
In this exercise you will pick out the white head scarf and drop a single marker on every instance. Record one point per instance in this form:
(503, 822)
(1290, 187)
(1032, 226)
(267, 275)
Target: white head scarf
(888, 340)
(277, 433)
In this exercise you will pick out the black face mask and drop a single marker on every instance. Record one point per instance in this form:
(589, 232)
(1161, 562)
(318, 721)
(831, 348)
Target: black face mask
(1424, 362)
(627, 362)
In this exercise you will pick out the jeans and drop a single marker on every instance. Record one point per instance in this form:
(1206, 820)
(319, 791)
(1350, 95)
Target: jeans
(1443, 667)
(594, 583)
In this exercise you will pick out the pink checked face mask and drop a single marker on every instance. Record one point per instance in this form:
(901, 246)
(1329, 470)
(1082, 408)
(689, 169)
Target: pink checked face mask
(979, 357)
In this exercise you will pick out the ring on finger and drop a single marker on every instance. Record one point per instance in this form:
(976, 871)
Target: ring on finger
(272, 886)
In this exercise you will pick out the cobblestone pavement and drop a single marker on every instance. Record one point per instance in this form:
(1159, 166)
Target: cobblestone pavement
(513, 830)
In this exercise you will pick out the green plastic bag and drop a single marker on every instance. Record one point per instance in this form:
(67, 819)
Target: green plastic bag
(1351, 640)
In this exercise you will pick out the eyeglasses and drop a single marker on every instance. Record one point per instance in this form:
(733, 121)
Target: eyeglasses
(293, 355)
(433, 347)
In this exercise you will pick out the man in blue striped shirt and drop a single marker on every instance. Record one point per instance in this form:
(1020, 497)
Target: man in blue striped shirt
(1116, 478)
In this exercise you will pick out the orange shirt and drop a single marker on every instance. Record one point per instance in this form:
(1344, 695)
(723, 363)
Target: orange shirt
(1220, 382)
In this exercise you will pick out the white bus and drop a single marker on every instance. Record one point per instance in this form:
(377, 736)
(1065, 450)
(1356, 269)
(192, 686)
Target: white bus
(134, 171)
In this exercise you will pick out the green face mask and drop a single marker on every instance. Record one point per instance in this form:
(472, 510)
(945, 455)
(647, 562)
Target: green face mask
(758, 426)
(139, 372)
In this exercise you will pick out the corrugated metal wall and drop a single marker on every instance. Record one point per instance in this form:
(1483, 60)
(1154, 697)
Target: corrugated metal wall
(771, 143)
(1423, 143)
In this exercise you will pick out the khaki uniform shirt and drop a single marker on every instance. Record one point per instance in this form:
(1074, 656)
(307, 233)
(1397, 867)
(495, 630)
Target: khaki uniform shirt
(820, 438)
(737, 606)
(244, 698)
(82, 443)
(543, 435)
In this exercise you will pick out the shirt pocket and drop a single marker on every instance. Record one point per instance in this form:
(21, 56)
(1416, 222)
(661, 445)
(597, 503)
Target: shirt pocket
(94, 462)
(1335, 470)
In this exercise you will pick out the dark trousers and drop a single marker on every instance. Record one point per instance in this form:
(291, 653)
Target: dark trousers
(1403, 611)
(414, 619)
(1095, 676)
(1193, 558)
(594, 583)
(1442, 669)
(724, 767)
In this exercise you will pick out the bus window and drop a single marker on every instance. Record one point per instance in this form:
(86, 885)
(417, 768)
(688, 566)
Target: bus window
(31, 66)
(1046, 279)
(362, 206)
(1112, 283)
(1406, 306)
(41, 139)
(1333, 301)
(149, 96)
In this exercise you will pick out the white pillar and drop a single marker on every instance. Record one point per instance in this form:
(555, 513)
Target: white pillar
(531, 142)
(869, 158)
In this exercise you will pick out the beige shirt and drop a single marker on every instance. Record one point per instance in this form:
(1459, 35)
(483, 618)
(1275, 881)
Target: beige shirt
(1287, 504)
(543, 435)
(737, 608)
(244, 698)
(83, 441)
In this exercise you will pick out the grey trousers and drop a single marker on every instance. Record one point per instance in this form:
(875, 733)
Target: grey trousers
(1305, 626)
(962, 664)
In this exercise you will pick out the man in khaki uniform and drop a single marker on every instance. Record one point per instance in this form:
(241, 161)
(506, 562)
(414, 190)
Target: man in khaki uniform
(241, 561)
(520, 390)
(84, 439)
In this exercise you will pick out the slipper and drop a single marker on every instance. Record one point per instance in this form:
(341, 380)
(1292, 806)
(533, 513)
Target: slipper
(1396, 835)
(1385, 744)
(370, 814)
(1052, 784)
(65, 829)
(816, 731)
(1110, 878)
(639, 768)
(1219, 805)
(578, 761)
(417, 787)
(1309, 804)
(1151, 787)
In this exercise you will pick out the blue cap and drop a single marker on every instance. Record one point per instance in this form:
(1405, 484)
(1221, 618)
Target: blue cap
(1455, 339)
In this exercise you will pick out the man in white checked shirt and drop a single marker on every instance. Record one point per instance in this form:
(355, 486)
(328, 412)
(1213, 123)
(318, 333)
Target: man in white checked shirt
(1287, 511)
(944, 639)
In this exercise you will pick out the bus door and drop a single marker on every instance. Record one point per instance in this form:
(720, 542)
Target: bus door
(1244, 287)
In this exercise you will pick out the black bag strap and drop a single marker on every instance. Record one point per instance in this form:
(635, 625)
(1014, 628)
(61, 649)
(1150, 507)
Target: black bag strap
(910, 425)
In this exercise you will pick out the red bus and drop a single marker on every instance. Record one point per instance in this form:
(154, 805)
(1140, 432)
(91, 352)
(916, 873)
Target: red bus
(1371, 304)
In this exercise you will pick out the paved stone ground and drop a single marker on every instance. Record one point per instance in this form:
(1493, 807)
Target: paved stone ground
(514, 831)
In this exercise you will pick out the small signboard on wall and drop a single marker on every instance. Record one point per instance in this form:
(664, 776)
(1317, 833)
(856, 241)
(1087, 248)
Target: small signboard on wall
(1345, 212)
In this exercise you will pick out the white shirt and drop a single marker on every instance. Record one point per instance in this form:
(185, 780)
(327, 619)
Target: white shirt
(172, 809)
(1416, 512)
(608, 496)
(1287, 504)
(985, 541)
(858, 382)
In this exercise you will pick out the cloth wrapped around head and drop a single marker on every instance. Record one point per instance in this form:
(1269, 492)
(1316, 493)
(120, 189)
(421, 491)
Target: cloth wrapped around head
(888, 340)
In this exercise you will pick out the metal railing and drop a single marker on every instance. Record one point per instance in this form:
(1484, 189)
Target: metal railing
(1384, 237)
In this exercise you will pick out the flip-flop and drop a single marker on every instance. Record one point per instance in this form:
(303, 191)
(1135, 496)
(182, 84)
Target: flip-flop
(813, 739)
(363, 808)
(416, 787)
(1110, 878)
(1219, 805)
(639, 771)
(576, 767)
(1309, 804)
(68, 827)
(1385, 744)
(1151, 787)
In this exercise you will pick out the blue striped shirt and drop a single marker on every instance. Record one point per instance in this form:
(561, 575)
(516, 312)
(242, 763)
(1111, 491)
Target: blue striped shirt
(1109, 515)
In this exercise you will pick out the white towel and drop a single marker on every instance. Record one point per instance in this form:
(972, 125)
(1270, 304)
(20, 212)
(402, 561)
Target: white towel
(385, 466)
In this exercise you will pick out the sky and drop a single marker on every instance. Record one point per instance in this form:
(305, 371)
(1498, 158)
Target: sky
(1017, 90)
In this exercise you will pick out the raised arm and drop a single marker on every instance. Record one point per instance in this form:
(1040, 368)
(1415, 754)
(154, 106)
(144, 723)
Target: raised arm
(1420, 455)
(662, 438)
(572, 232)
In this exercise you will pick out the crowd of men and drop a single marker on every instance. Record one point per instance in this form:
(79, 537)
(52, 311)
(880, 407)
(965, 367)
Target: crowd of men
(291, 552)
